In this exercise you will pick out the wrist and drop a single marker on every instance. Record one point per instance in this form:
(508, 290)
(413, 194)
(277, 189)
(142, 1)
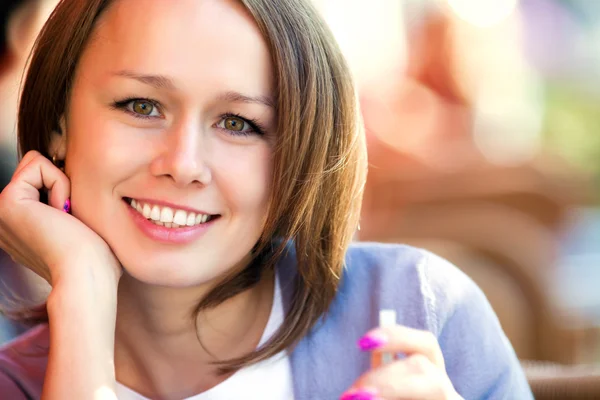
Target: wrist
(83, 292)
(78, 271)
(82, 320)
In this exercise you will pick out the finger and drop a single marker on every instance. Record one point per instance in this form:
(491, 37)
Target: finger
(26, 160)
(410, 378)
(401, 339)
(416, 388)
(38, 174)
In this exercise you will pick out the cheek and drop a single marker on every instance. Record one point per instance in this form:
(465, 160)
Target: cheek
(100, 147)
(244, 178)
(99, 156)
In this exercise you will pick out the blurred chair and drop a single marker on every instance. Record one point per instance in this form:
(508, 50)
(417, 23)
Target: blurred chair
(503, 233)
(501, 226)
(553, 381)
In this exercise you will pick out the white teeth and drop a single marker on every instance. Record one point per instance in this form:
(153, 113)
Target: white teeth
(166, 215)
(155, 213)
(191, 219)
(180, 217)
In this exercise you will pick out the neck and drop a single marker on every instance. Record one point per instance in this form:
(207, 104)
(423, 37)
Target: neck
(160, 345)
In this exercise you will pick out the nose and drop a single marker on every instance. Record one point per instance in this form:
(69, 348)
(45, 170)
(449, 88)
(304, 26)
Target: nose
(183, 157)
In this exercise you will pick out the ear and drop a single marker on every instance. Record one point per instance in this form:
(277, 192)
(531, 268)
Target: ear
(58, 141)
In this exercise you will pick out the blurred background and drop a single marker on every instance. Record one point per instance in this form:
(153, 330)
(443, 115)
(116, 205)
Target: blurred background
(20, 23)
(481, 119)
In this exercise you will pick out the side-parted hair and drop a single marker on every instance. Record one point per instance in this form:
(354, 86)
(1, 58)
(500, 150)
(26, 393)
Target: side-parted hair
(319, 155)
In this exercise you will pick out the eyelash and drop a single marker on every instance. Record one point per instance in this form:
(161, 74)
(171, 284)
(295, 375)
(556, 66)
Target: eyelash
(255, 126)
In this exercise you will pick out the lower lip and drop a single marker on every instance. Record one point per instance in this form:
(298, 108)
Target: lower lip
(168, 235)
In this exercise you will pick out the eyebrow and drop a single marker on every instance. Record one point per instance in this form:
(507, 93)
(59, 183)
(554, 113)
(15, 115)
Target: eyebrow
(236, 97)
(164, 82)
(156, 81)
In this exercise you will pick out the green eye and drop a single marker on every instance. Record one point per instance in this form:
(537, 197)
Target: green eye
(234, 124)
(239, 126)
(143, 107)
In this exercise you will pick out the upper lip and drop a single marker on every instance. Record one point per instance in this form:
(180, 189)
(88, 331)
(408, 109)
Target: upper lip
(171, 205)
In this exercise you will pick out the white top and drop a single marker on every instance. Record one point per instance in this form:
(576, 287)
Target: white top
(267, 380)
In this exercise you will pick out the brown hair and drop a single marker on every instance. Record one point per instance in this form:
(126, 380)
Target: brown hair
(319, 160)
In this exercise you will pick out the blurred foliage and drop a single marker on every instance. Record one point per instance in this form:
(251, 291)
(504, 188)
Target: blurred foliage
(571, 125)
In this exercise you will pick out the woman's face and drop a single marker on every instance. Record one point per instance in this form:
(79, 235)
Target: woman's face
(172, 113)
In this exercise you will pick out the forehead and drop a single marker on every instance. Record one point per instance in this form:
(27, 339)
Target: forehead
(194, 41)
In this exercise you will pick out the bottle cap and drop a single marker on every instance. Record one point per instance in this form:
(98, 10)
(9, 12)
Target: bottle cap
(387, 318)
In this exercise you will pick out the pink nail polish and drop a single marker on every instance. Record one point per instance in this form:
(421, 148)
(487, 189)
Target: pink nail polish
(67, 206)
(361, 394)
(371, 342)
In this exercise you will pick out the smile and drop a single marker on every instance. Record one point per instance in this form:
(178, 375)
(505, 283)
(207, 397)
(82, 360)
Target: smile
(169, 224)
(169, 217)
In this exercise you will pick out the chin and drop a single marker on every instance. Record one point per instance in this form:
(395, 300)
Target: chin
(174, 266)
(170, 274)
(172, 280)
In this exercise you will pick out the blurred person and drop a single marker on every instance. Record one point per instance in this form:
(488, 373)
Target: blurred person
(452, 95)
(434, 120)
(198, 231)
(20, 22)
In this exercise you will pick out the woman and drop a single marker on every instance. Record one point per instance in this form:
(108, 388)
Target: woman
(210, 160)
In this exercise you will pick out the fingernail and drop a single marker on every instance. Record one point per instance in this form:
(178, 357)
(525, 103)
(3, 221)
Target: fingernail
(360, 394)
(372, 341)
(67, 206)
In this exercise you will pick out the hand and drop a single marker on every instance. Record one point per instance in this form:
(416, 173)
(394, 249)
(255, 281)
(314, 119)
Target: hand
(45, 238)
(421, 375)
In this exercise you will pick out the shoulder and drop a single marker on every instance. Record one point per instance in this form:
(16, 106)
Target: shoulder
(412, 279)
(23, 363)
(423, 288)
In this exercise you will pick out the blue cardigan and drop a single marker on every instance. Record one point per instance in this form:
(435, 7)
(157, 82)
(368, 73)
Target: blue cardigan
(427, 293)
